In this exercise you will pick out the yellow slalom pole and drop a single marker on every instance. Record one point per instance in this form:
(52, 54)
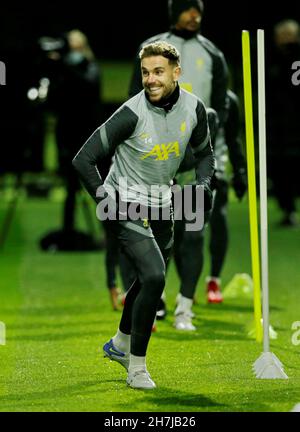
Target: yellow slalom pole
(252, 184)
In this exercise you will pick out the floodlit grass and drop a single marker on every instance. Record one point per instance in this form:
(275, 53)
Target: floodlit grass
(57, 313)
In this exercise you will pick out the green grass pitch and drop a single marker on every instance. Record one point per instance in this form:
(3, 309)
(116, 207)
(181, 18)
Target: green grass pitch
(57, 315)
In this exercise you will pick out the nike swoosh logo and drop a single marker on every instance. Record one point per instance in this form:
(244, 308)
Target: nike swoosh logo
(115, 352)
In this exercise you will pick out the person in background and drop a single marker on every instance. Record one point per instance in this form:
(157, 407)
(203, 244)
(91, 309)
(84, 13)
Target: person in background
(75, 99)
(74, 96)
(189, 247)
(205, 74)
(283, 113)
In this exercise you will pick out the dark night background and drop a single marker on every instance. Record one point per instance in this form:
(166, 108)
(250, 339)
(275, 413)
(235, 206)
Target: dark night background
(115, 28)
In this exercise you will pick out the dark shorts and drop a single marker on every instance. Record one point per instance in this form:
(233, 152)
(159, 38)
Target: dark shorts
(130, 232)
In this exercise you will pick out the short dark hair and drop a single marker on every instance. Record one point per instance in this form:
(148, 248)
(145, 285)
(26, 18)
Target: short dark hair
(161, 48)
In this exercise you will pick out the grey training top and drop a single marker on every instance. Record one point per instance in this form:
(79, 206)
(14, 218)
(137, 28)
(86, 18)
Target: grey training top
(205, 74)
(149, 144)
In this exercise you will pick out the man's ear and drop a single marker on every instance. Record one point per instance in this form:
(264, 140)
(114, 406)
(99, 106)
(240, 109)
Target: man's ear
(177, 73)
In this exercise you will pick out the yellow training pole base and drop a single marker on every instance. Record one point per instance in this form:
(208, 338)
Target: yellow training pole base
(251, 331)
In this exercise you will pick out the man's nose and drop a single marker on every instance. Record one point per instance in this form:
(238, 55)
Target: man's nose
(151, 78)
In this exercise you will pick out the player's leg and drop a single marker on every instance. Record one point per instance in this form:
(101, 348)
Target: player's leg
(128, 272)
(191, 264)
(218, 244)
(142, 299)
(111, 263)
(179, 228)
(284, 180)
(72, 186)
(188, 253)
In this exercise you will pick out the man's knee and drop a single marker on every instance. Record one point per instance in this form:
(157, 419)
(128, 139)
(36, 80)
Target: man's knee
(155, 280)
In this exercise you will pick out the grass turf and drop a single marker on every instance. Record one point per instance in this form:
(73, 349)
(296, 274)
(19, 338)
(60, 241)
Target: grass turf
(58, 315)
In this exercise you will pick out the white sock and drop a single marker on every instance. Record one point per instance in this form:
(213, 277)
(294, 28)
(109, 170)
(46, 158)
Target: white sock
(184, 305)
(213, 278)
(136, 363)
(122, 341)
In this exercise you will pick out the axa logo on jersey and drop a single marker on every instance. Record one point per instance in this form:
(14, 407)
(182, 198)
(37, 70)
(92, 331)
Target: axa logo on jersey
(163, 151)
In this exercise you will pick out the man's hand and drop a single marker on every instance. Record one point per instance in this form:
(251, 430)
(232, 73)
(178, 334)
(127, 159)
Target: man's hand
(239, 183)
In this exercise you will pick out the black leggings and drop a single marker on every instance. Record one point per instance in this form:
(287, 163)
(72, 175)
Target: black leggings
(112, 255)
(148, 249)
(218, 243)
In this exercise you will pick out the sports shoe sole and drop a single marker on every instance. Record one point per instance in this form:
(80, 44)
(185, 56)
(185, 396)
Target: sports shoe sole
(137, 384)
(215, 300)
